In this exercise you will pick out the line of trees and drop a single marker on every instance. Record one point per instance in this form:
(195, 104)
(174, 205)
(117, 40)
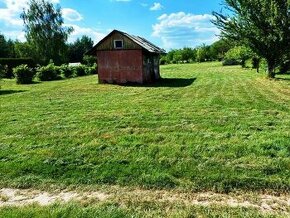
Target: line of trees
(202, 53)
(46, 37)
(72, 52)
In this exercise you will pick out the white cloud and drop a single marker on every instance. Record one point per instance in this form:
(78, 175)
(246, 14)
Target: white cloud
(156, 6)
(180, 29)
(10, 15)
(15, 34)
(71, 14)
(80, 31)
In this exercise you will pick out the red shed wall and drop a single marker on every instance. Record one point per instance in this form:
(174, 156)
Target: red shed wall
(120, 66)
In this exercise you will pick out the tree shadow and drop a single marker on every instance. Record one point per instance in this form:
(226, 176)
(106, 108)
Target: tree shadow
(10, 92)
(282, 79)
(166, 82)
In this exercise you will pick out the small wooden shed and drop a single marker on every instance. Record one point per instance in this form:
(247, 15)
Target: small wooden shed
(124, 58)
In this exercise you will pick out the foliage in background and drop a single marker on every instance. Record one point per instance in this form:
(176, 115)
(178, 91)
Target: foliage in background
(6, 47)
(77, 49)
(263, 25)
(45, 32)
(219, 48)
(89, 60)
(203, 53)
(11, 63)
(214, 52)
(48, 73)
(23, 74)
(3, 70)
(52, 72)
(237, 56)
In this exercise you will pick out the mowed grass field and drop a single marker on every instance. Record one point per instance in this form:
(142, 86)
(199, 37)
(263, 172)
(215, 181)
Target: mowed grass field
(204, 128)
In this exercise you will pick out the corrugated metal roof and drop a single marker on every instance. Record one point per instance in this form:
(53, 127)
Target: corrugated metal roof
(144, 43)
(148, 46)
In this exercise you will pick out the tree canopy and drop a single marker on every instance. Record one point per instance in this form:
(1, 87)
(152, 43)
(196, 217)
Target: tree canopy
(263, 25)
(45, 31)
(77, 49)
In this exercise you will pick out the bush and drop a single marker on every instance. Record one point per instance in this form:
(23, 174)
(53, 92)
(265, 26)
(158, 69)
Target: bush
(237, 56)
(230, 62)
(15, 62)
(67, 72)
(80, 70)
(23, 74)
(163, 60)
(49, 73)
(284, 67)
(3, 70)
(91, 70)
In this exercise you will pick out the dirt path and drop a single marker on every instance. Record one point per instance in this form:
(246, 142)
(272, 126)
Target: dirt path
(262, 202)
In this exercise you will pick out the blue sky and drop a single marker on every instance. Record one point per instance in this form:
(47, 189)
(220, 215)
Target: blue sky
(167, 23)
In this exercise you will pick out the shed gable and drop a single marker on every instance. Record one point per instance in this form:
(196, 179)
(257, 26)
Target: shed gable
(108, 43)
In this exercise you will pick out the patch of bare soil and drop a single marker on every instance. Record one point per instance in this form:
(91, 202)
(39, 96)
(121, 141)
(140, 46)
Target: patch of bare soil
(265, 203)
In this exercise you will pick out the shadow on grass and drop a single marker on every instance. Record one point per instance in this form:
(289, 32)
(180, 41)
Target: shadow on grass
(10, 92)
(166, 82)
(282, 79)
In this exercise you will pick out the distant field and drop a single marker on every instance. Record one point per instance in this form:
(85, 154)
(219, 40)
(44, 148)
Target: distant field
(204, 128)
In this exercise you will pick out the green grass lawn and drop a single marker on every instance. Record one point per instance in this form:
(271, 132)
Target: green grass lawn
(113, 210)
(206, 127)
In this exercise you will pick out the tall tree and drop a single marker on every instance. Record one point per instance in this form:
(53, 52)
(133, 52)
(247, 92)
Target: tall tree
(219, 48)
(77, 49)
(6, 47)
(45, 31)
(263, 25)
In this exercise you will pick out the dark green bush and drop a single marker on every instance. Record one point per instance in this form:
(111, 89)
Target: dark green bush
(91, 70)
(15, 62)
(80, 70)
(49, 73)
(23, 74)
(284, 67)
(3, 70)
(67, 72)
(163, 60)
(230, 62)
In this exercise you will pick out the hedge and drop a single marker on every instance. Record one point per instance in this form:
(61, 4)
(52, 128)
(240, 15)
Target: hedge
(49, 73)
(15, 62)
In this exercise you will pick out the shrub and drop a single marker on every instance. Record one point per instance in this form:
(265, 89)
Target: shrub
(15, 62)
(230, 62)
(67, 72)
(3, 70)
(23, 74)
(237, 56)
(284, 67)
(49, 73)
(163, 60)
(80, 70)
(91, 70)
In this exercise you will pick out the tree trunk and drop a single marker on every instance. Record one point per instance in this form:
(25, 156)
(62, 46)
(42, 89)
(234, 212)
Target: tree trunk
(271, 69)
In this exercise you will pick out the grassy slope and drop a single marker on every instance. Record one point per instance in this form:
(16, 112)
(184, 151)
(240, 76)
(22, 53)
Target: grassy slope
(217, 129)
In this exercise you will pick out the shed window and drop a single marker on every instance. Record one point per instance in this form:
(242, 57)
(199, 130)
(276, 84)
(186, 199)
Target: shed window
(118, 44)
